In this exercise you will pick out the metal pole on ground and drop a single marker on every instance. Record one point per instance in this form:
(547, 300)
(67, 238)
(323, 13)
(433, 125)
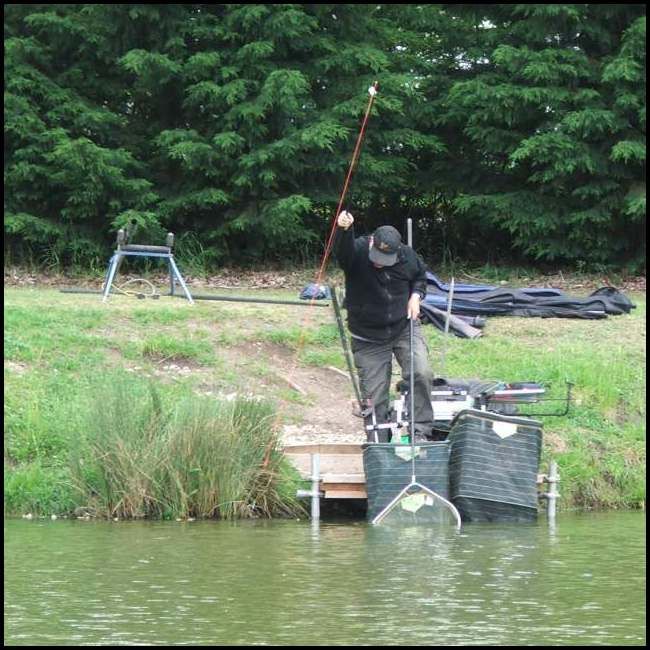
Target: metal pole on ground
(443, 354)
(315, 486)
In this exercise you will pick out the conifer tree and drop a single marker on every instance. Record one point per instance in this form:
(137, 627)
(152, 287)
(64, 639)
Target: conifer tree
(557, 118)
(521, 126)
(67, 169)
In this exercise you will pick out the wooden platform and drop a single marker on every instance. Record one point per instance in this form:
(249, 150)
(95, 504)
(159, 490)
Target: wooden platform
(341, 468)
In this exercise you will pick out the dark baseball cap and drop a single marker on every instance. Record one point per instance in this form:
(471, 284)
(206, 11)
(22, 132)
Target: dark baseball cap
(386, 241)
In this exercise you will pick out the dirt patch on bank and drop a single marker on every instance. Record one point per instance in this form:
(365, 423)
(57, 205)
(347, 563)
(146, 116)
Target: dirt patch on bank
(16, 366)
(316, 402)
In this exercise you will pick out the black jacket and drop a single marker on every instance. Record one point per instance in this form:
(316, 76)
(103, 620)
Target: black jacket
(377, 299)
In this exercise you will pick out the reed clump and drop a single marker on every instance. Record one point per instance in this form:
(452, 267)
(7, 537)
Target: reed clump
(143, 456)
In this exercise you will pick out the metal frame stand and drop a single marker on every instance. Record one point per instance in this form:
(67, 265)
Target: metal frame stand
(553, 478)
(162, 252)
(315, 493)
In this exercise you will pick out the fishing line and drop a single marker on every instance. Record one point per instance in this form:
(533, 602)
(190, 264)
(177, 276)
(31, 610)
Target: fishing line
(153, 293)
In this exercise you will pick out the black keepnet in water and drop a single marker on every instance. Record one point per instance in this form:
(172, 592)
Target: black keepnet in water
(388, 470)
(493, 465)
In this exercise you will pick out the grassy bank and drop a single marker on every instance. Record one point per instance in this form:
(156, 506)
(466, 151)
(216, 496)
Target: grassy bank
(82, 422)
(115, 445)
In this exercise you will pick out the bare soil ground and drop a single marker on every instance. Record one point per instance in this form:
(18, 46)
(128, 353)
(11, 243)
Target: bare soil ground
(325, 396)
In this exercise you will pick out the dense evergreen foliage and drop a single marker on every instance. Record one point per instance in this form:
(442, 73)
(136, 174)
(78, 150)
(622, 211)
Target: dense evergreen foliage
(505, 130)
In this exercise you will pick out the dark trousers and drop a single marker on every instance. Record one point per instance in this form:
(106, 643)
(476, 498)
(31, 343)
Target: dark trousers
(374, 362)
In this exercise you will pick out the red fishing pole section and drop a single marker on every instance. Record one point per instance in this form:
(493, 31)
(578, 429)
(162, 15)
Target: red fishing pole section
(355, 157)
(372, 91)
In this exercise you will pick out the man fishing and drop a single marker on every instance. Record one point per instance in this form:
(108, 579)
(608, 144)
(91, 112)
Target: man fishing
(384, 283)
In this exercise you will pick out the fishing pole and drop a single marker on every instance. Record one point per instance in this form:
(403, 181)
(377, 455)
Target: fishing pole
(372, 91)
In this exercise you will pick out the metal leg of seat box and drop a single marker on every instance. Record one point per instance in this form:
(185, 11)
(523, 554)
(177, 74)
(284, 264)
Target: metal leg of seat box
(180, 279)
(110, 274)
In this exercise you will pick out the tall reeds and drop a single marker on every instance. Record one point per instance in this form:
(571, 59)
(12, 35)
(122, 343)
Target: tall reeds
(142, 455)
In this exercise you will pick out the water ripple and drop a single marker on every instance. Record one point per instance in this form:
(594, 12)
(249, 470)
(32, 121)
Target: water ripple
(275, 583)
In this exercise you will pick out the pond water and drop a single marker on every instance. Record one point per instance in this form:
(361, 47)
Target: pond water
(581, 582)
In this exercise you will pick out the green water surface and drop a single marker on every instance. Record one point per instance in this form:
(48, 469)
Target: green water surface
(278, 583)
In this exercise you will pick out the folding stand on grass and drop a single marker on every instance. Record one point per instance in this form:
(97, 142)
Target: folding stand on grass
(136, 250)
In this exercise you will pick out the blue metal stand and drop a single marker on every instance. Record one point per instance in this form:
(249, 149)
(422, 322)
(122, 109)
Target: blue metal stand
(163, 252)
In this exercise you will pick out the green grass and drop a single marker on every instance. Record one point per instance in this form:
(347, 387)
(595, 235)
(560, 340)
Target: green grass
(170, 348)
(130, 448)
(59, 348)
(142, 454)
(37, 488)
(52, 333)
(324, 357)
(161, 316)
(305, 334)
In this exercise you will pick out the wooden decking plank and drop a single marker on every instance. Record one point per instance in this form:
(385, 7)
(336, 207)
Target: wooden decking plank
(345, 494)
(343, 448)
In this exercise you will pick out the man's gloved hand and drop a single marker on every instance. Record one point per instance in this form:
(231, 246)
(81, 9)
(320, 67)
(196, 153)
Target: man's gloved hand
(345, 220)
(413, 308)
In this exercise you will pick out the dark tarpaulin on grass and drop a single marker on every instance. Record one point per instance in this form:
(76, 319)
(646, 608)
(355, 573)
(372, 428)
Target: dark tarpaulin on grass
(467, 327)
(484, 300)
(316, 292)
(434, 281)
(471, 303)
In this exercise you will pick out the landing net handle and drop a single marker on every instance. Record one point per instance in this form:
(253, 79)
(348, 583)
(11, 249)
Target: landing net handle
(409, 239)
